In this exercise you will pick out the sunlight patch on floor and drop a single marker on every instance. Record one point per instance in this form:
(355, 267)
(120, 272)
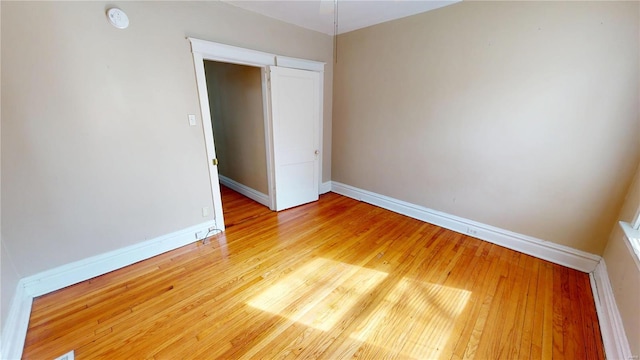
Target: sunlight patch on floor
(319, 293)
(414, 320)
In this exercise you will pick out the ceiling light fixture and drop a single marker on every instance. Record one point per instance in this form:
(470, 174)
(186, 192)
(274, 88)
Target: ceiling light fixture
(118, 18)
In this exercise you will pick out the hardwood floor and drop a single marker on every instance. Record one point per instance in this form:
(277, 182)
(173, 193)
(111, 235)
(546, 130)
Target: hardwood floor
(334, 279)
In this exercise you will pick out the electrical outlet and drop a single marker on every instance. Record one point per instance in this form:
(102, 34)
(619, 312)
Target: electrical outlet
(68, 356)
(200, 235)
(205, 211)
(472, 231)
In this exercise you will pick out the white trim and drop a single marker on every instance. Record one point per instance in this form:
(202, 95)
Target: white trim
(325, 187)
(208, 50)
(321, 130)
(635, 224)
(268, 137)
(614, 338)
(251, 193)
(632, 241)
(205, 115)
(559, 254)
(71, 355)
(75, 272)
(78, 271)
(231, 54)
(14, 331)
(302, 64)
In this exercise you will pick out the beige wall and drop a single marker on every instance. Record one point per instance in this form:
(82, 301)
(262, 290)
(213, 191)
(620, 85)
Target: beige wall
(97, 153)
(237, 114)
(513, 114)
(624, 269)
(9, 277)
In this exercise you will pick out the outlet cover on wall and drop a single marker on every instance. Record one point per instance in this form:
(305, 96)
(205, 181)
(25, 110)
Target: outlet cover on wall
(68, 356)
(205, 211)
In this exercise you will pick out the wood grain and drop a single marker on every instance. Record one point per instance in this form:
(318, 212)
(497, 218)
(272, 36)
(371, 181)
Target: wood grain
(333, 279)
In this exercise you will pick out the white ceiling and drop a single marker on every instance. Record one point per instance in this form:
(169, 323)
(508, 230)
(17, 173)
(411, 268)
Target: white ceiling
(352, 14)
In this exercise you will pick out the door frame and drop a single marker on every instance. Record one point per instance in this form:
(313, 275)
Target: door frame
(208, 50)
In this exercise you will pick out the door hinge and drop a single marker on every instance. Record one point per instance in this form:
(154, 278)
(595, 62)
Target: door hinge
(214, 162)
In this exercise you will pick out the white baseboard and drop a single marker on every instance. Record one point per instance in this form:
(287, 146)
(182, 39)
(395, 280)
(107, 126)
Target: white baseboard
(614, 337)
(613, 334)
(75, 272)
(252, 194)
(14, 330)
(66, 275)
(559, 254)
(325, 187)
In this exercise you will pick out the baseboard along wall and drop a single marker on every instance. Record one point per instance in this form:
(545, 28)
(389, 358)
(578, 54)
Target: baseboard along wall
(613, 334)
(559, 254)
(325, 187)
(251, 193)
(15, 329)
(614, 338)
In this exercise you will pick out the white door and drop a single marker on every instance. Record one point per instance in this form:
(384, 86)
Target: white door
(295, 106)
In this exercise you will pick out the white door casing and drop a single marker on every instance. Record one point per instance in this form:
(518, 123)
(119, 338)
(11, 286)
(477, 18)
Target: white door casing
(295, 106)
(208, 50)
(205, 113)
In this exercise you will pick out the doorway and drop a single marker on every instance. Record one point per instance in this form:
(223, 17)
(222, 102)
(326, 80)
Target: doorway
(283, 78)
(237, 117)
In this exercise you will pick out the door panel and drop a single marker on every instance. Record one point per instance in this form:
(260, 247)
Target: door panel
(295, 104)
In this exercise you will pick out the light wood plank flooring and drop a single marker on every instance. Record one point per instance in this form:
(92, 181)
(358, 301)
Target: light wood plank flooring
(335, 279)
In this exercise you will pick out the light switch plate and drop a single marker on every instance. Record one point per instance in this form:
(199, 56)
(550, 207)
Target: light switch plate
(192, 120)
